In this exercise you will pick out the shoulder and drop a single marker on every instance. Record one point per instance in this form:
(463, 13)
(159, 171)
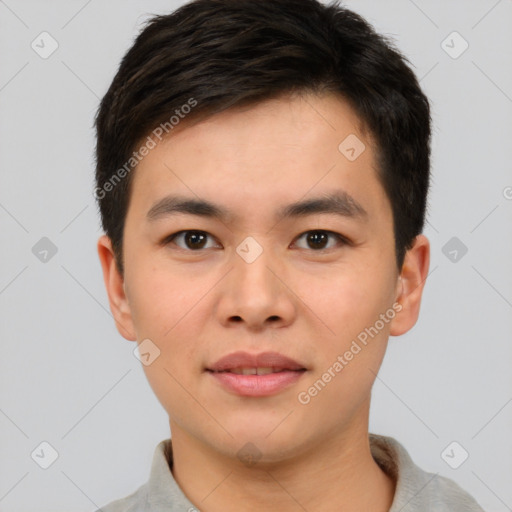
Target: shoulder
(416, 489)
(134, 502)
(160, 492)
(447, 496)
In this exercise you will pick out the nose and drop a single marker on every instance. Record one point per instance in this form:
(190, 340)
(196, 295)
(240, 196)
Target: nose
(256, 295)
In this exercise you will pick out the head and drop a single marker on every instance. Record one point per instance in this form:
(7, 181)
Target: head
(265, 120)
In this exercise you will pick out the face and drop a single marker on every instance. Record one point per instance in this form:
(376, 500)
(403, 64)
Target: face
(254, 271)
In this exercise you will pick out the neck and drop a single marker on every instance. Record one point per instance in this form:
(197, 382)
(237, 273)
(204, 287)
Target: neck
(339, 474)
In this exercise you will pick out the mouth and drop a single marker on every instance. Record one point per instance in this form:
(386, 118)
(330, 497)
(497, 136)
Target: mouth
(255, 375)
(263, 363)
(257, 371)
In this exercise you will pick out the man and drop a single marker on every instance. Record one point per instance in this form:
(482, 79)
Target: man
(262, 176)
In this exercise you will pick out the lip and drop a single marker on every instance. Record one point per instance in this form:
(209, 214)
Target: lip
(241, 359)
(256, 385)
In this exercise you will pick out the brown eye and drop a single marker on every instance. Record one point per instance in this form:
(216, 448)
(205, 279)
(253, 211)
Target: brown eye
(318, 240)
(191, 239)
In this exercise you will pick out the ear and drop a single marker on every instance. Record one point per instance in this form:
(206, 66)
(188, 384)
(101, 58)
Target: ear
(410, 285)
(114, 283)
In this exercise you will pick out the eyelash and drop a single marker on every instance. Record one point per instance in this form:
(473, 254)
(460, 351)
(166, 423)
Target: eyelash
(340, 238)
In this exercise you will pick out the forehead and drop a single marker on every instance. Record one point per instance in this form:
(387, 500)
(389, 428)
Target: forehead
(280, 149)
(294, 123)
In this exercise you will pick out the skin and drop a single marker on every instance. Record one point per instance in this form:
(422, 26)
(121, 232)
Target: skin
(296, 298)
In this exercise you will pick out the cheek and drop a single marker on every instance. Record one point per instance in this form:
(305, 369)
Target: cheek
(352, 353)
(170, 309)
(160, 301)
(347, 302)
(165, 310)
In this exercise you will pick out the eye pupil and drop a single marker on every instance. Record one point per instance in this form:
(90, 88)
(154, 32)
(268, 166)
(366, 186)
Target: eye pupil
(192, 238)
(317, 238)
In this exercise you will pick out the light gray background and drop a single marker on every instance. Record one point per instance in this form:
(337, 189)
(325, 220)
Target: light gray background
(67, 377)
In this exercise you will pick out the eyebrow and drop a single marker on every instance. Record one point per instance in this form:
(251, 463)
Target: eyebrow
(338, 202)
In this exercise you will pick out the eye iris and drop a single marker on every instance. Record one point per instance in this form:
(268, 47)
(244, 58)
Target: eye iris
(192, 239)
(317, 239)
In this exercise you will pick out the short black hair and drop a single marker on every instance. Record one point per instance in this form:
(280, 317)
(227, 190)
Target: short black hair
(210, 55)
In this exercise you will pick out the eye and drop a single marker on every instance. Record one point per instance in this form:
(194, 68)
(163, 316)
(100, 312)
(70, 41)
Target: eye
(194, 240)
(191, 239)
(318, 239)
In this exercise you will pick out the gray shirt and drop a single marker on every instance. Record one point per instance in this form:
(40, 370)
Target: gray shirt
(416, 490)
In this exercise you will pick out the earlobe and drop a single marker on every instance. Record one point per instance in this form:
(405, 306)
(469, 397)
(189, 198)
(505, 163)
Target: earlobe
(410, 286)
(114, 284)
